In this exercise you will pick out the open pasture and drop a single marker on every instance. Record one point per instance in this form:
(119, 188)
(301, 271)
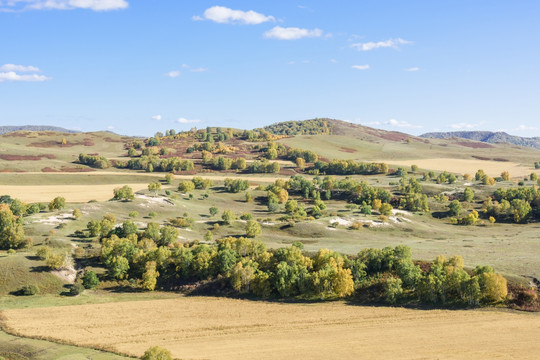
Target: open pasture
(213, 328)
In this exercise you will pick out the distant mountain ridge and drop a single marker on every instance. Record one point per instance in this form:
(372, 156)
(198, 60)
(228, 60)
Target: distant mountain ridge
(7, 129)
(487, 137)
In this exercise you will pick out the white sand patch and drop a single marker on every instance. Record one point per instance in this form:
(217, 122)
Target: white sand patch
(341, 221)
(268, 223)
(401, 212)
(150, 200)
(68, 274)
(56, 219)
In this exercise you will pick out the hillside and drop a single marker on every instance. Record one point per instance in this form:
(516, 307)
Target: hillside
(487, 137)
(7, 129)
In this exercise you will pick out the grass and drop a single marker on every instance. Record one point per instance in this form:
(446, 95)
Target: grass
(221, 328)
(17, 348)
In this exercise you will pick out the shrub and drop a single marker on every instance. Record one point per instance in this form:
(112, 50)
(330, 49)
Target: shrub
(157, 353)
(90, 280)
(393, 290)
(133, 214)
(76, 289)
(152, 214)
(29, 290)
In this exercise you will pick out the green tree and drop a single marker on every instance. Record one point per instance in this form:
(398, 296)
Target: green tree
(124, 193)
(393, 290)
(213, 211)
(253, 229)
(468, 194)
(90, 280)
(157, 353)
(228, 217)
(77, 214)
(57, 203)
(186, 186)
(454, 208)
(154, 186)
(385, 209)
(11, 229)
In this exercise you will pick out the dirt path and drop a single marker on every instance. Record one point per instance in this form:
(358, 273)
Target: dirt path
(218, 328)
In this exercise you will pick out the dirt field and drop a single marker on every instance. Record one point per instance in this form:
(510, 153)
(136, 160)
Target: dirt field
(218, 328)
(72, 193)
(463, 166)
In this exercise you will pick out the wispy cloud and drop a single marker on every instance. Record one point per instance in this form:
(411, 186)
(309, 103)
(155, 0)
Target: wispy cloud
(187, 121)
(390, 43)
(174, 74)
(18, 68)
(199, 69)
(95, 5)
(157, 117)
(291, 33)
(413, 69)
(525, 128)
(361, 67)
(392, 123)
(224, 15)
(11, 72)
(464, 125)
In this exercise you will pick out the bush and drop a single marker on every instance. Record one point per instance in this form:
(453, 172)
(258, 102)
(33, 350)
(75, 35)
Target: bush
(133, 214)
(392, 290)
(90, 280)
(29, 290)
(76, 289)
(157, 353)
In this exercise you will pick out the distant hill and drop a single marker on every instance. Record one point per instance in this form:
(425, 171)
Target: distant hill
(487, 137)
(7, 129)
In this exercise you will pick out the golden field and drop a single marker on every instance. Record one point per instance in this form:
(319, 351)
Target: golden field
(220, 328)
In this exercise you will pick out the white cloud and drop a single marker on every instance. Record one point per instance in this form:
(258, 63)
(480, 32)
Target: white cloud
(110, 127)
(224, 15)
(333, 61)
(393, 43)
(157, 117)
(412, 69)
(464, 125)
(18, 68)
(401, 124)
(291, 33)
(174, 73)
(95, 5)
(187, 121)
(525, 128)
(13, 76)
(361, 67)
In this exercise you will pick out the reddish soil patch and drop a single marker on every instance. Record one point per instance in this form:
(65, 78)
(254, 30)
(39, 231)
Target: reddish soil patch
(287, 172)
(26, 157)
(347, 150)
(48, 169)
(76, 169)
(501, 159)
(474, 145)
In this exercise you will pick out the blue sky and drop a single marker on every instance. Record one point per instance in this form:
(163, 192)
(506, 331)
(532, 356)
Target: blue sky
(139, 66)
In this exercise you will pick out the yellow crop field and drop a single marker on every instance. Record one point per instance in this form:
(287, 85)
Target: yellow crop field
(72, 193)
(219, 328)
(463, 166)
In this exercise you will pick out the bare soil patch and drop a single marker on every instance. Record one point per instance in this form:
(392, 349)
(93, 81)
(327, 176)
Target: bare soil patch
(9, 157)
(219, 328)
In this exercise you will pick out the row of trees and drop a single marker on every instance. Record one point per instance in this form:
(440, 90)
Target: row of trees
(97, 161)
(154, 163)
(249, 267)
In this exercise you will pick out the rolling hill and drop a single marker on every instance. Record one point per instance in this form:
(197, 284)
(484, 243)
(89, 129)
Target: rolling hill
(8, 129)
(487, 137)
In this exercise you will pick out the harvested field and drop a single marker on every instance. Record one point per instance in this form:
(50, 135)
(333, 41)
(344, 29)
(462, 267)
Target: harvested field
(218, 328)
(72, 193)
(463, 166)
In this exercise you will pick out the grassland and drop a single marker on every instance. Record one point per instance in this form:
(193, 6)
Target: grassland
(212, 328)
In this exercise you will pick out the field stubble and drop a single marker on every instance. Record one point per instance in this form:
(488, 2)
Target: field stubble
(220, 328)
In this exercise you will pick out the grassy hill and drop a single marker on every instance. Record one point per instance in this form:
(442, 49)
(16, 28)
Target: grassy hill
(7, 129)
(487, 137)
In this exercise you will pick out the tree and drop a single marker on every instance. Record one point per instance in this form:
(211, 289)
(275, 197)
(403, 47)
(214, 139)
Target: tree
(493, 286)
(228, 217)
(300, 163)
(124, 193)
(90, 280)
(213, 211)
(57, 203)
(11, 229)
(150, 275)
(77, 214)
(169, 178)
(208, 236)
(157, 353)
(468, 194)
(505, 175)
(186, 186)
(154, 186)
(385, 209)
(454, 208)
(253, 229)
(393, 290)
